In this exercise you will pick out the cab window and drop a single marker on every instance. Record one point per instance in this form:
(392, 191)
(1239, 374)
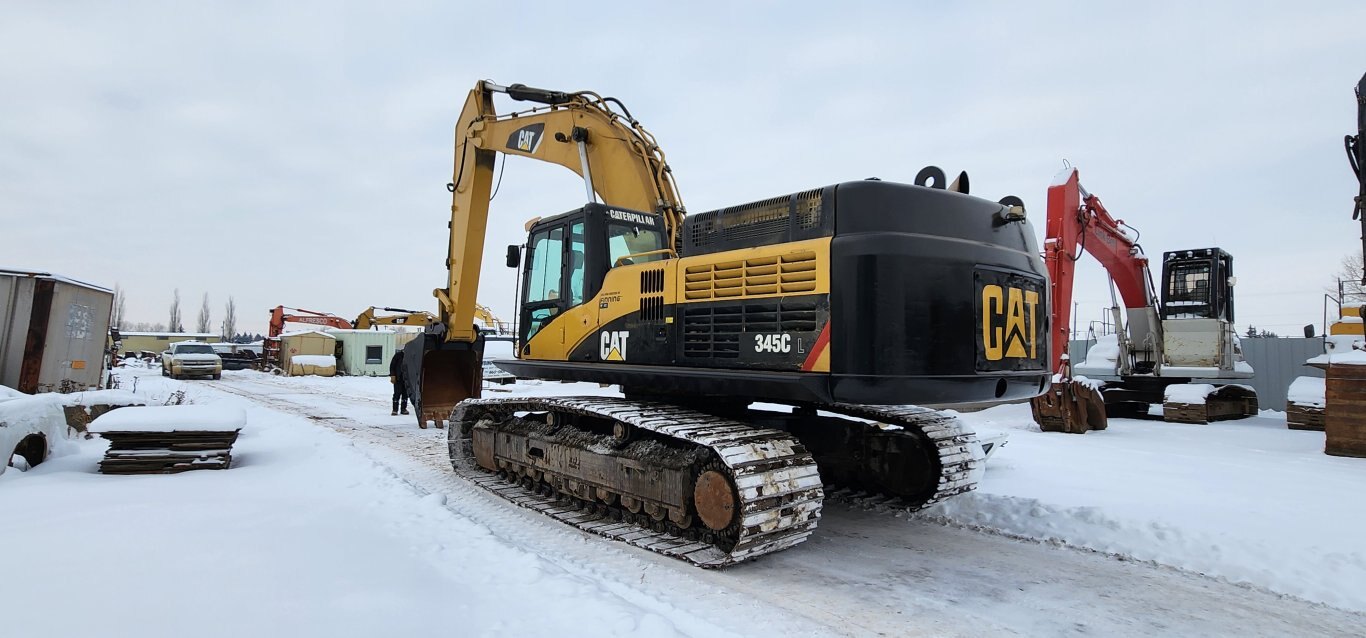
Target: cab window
(625, 239)
(576, 263)
(547, 261)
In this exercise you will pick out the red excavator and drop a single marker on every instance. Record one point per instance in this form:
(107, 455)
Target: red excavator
(270, 348)
(1161, 342)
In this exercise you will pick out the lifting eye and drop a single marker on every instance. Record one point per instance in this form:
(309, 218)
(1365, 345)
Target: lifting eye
(930, 177)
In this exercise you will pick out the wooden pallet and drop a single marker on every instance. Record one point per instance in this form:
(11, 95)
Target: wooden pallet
(1227, 402)
(167, 452)
(1345, 418)
(1304, 417)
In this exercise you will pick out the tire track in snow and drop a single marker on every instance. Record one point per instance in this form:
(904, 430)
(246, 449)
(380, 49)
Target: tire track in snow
(861, 573)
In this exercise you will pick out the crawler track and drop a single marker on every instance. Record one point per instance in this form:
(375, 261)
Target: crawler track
(957, 458)
(776, 479)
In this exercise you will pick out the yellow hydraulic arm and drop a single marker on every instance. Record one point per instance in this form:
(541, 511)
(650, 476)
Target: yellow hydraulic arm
(368, 318)
(617, 158)
(595, 137)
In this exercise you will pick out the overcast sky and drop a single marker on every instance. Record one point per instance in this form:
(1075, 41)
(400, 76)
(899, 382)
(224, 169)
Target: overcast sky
(297, 153)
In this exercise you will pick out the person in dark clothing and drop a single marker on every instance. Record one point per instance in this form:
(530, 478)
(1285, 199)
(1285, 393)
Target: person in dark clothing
(400, 381)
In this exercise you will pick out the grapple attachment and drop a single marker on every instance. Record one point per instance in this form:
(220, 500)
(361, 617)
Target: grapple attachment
(1069, 407)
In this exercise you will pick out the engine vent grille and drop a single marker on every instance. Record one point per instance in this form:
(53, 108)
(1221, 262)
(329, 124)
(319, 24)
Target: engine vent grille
(652, 281)
(715, 330)
(805, 215)
(652, 295)
(792, 273)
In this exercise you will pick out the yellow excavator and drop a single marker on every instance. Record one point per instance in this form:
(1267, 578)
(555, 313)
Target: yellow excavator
(767, 352)
(368, 318)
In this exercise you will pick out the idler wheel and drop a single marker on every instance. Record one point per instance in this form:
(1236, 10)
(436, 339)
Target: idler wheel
(715, 499)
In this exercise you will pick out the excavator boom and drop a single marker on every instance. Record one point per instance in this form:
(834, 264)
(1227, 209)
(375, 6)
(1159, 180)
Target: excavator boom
(584, 132)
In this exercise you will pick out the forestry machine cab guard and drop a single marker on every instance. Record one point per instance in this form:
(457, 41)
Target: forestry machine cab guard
(844, 303)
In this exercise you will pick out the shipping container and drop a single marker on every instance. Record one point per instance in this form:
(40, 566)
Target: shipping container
(54, 332)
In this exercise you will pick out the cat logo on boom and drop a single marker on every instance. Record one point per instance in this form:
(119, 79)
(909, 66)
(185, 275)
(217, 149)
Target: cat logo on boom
(526, 139)
(1009, 318)
(612, 345)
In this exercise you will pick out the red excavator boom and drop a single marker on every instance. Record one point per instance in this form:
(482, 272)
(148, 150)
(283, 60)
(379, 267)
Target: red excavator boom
(1077, 222)
(270, 348)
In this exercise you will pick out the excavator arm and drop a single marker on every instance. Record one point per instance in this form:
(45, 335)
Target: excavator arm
(1078, 222)
(595, 137)
(617, 158)
(368, 318)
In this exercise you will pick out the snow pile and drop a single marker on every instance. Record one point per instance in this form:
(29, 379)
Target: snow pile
(305, 331)
(306, 536)
(1308, 391)
(1350, 357)
(320, 360)
(24, 415)
(7, 393)
(1247, 500)
(1192, 393)
(1340, 349)
(498, 350)
(1102, 359)
(103, 397)
(167, 418)
(1094, 384)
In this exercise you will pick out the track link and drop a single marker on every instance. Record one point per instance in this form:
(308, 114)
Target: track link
(776, 479)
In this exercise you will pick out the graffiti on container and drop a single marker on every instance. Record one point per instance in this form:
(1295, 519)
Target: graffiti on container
(79, 320)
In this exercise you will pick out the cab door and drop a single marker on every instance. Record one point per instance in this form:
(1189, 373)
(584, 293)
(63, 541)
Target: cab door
(554, 279)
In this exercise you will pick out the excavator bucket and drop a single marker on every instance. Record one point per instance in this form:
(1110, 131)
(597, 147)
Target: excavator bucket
(441, 375)
(1069, 407)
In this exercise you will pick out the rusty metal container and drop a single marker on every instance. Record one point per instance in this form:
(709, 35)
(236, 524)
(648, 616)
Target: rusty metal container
(54, 332)
(1345, 422)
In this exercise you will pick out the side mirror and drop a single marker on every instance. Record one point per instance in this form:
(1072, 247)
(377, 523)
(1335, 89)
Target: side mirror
(514, 256)
(1309, 331)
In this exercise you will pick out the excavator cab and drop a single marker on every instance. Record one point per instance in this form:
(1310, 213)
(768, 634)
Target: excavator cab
(1197, 313)
(568, 256)
(566, 259)
(1197, 284)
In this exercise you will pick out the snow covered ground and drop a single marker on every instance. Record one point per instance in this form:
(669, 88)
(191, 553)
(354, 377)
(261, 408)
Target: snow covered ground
(1249, 501)
(339, 520)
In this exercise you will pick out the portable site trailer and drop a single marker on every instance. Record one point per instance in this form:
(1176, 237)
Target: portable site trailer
(54, 332)
(157, 342)
(364, 353)
(310, 352)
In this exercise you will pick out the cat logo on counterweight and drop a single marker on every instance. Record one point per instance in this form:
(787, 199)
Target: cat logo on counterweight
(1009, 321)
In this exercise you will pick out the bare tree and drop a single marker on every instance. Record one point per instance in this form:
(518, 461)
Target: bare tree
(202, 323)
(1348, 279)
(230, 320)
(175, 325)
(116, 317)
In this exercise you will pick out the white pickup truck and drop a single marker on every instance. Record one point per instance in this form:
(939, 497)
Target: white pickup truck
(191, 359)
